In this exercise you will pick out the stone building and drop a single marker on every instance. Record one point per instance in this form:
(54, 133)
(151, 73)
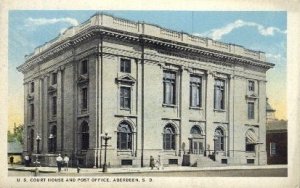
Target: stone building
(153, 90)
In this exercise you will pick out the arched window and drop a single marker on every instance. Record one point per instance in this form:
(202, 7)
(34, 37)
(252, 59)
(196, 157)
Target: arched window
(195, 130)
(251, 140)
(31, 140)
(124, 140)
(219, 139)
(85, 136)
(169, 137)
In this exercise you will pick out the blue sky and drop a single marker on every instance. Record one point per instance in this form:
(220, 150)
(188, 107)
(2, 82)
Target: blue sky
(264, 31)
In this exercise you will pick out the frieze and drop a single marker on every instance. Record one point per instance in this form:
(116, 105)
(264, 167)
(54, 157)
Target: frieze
(189, 52)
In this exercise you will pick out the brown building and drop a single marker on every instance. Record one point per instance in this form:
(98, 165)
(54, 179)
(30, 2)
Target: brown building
(276, 139)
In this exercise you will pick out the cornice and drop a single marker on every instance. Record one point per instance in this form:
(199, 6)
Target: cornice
(168, 47)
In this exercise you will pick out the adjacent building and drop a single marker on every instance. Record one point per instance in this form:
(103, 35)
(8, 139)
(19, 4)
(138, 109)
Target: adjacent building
(155, 91)
(277, 138)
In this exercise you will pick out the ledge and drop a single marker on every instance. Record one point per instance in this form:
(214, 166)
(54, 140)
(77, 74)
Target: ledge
(169, 105)
(219, 110)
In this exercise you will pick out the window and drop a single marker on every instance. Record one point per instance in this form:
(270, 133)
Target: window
(84, 67)
(219, 139)
(169, 137)
(124, 137)
(195, 91)
(31, 112)
(53, 139)
(54, 78)
(125, 66)
(169, 83)
(251, 85)
(251, 140)
(32, 87)
(84, 97)
(272, 149)
(54, 106)
(219, 98)
(85, 136)
(125, 97)
(250, 110)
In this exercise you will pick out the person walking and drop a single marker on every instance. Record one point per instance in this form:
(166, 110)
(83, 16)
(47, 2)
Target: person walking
(11, 160)
(66, 161)
(59, 161)
(152, 164)
(26, 158)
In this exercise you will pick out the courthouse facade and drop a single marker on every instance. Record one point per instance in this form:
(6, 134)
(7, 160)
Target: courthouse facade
(155, 91)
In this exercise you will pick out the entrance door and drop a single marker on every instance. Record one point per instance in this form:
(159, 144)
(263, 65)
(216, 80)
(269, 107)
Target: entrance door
(196, 146)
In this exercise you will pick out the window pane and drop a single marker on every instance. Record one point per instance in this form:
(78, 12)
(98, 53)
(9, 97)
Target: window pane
(84, 67)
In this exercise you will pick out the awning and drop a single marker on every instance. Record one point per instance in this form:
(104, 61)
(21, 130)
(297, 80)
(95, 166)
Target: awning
(251, 137)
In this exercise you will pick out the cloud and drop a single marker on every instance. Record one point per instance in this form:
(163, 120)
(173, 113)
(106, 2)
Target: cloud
(45, 21)
(277, 58)
(218, 33)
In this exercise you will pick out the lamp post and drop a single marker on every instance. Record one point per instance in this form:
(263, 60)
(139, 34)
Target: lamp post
(38, 139)
(51, 141)
(215, 140)
(190, 144)
(105, 137)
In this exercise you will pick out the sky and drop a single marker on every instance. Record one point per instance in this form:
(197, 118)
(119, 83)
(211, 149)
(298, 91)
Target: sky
(263, 31)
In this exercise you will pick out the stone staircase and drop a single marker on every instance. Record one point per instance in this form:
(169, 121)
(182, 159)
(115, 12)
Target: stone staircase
(203, 161)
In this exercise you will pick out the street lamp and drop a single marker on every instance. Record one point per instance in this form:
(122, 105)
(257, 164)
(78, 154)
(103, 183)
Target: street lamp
(38, 139)
(190, 137)
(105, 137)
(51, 141)
(215, 140)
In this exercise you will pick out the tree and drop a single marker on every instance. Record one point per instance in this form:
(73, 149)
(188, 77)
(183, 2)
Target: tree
(16, 135)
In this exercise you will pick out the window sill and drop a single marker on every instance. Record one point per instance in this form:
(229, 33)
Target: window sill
(126, 109)
(219, 110)
(169, 105)
(195, 108)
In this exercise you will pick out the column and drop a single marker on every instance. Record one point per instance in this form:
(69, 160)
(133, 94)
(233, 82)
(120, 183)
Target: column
(25, 133)
(262, 155)
(230, 145)
(209, 112)
(45, 131)
(59, 112)
(184, 109)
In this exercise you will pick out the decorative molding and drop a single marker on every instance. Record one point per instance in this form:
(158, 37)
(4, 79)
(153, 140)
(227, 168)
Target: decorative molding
(126, 79)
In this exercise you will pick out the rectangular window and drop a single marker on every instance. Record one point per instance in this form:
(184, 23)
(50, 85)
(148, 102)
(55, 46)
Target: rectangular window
(84, 98)
(250, 110)
(31, 112)
(84, 67)
(251, 85)
(169, 83)
(219, 94)
(272, 149)
(54, 106)
(32, 87)
(195, 91)
(54, 78)
(125, 66)
(125, 97)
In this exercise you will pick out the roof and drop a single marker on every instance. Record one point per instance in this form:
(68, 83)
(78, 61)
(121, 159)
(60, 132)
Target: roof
(119, 27)
(269, 108)
(276, 125)
(14, 147)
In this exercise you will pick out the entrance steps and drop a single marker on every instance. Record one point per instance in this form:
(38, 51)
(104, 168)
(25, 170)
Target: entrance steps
(203, 161)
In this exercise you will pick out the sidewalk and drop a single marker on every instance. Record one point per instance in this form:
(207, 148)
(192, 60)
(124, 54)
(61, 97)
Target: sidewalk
(126, 170)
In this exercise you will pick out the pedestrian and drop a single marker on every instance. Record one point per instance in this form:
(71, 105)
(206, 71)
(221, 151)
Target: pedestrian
(26, 158)
(11, 160)
(66, 161)
(59, 161)
(152, 162)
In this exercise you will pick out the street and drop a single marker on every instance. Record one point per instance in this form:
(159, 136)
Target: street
(278, 172)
